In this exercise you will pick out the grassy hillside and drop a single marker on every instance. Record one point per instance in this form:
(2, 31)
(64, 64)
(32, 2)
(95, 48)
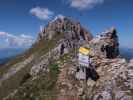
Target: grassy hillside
(41, 88)
(38, 49)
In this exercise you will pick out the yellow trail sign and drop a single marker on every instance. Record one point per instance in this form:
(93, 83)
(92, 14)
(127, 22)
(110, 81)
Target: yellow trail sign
(84, 51)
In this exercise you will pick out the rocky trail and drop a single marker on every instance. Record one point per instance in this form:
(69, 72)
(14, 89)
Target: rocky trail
(66, 84)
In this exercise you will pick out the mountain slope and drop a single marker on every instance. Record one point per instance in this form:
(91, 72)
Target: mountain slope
(14, 71)
(51, 43)
(47, 70)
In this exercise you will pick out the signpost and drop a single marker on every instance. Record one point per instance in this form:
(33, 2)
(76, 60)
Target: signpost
(83, 60)
(83, 57)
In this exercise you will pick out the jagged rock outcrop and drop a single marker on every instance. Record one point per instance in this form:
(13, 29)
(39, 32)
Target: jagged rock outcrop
(115, 82)
(70, 27)
(72, 35)
(116, 78)
(106, 44)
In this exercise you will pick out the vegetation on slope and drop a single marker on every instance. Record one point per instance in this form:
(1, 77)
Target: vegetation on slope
(38, 49)
(41, 88)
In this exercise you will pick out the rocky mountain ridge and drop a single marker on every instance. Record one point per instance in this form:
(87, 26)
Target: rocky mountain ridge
(65, 25)
(47, 70)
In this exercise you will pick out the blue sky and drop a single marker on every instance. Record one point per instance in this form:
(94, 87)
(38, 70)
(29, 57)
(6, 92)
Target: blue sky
(20, 20)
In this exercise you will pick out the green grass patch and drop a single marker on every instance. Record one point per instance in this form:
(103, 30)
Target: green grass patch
(42, 88)
(13, 82)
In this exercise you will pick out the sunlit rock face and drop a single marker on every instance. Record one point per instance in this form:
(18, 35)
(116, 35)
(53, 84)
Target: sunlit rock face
(115, 82)
(71, 34)
(106, 44)
(70, 27)
(116, 78)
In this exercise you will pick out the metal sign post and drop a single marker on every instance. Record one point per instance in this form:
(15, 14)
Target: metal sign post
(83, 61)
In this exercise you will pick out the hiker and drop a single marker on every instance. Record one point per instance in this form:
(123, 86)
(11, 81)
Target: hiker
(111, 51)
(62, 49)
(102, 48)
(82, 34)
(91, 72)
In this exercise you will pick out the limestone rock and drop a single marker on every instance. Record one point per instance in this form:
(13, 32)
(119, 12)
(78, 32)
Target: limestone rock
(115, 82)
(106, 44)
(69, 26)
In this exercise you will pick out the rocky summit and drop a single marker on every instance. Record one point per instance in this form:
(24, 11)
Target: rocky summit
(71, 28)
(47, 71)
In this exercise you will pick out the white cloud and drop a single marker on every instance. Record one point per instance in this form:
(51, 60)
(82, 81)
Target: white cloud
(84, 4)
(41, 13)
(20, 41)
(3, 33)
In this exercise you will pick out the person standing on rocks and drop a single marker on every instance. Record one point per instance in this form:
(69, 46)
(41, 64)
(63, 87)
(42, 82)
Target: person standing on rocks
(91, 72)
